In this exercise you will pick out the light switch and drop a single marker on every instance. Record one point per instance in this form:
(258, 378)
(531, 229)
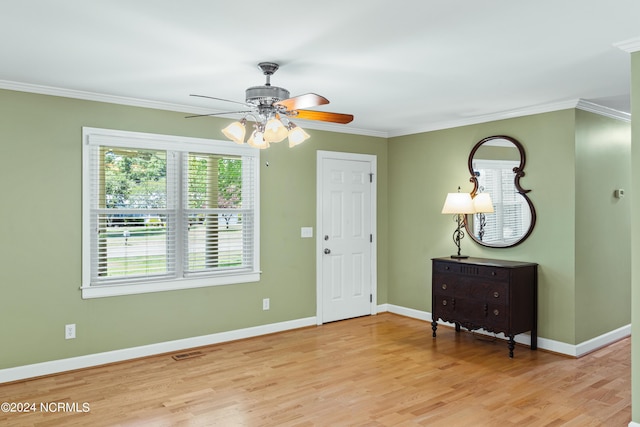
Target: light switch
(306, 232)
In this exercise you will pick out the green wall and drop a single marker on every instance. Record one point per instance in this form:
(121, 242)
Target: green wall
(602, 223)
(635, 238)
(40, 235)
(423, 168)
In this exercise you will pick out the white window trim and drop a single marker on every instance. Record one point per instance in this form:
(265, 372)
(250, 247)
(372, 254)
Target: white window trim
(96, 136)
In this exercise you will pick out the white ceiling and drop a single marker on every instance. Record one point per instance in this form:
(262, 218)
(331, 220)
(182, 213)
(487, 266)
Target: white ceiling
(398, 66)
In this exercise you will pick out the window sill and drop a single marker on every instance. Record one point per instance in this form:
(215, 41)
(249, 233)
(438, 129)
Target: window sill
(102, 291)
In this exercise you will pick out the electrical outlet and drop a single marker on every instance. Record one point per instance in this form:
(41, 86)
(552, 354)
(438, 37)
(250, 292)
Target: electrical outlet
(70, 331)
(265, 304)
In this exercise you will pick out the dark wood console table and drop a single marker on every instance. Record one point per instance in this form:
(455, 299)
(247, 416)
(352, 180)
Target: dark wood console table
(479, 293)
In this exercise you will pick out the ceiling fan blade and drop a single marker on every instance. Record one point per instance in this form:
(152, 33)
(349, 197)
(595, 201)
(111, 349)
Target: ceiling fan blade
(217, 114)
(221, 99)
(302, 101)
(323, 116)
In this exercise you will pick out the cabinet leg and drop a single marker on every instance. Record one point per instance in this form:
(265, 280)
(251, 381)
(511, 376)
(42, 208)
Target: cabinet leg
(434, 326)
(534, 340)
(512, 345)
(457, 326)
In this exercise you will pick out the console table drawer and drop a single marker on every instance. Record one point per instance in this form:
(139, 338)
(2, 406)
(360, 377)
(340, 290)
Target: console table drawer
(446, 284)
(478, 289)
(497, 318)
(492, 272)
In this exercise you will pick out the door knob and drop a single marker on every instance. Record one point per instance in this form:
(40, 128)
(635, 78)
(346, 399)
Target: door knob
(327, 251)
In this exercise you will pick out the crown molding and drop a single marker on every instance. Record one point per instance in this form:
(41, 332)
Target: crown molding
(157, 105)
(630, 45)
(135, 102)
(307, 124)
(527, 111)
(99, 97)
(603, 111)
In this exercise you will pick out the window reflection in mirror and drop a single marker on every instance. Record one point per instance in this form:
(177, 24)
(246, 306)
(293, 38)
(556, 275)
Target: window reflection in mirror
(496, 165)
(511, 217)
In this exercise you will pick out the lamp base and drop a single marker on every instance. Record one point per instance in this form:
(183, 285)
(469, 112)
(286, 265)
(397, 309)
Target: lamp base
(459, 256)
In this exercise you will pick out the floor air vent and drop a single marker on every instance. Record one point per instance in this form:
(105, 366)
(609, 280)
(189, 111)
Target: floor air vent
(183, 356)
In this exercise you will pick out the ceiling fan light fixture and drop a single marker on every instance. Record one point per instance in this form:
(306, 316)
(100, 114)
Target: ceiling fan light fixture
(256, 140)
(236, 131)
(274, 130)
(297, 135)
(270, 107)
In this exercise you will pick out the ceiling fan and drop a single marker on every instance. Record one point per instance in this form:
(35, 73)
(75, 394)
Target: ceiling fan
(271, 108)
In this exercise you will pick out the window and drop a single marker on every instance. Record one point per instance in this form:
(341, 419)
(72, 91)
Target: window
(166, 212)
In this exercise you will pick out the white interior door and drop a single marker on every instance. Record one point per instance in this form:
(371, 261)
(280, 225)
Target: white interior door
(346, 242)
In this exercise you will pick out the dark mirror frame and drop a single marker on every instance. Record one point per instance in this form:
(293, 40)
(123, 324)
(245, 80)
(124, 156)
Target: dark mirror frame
(518, 173)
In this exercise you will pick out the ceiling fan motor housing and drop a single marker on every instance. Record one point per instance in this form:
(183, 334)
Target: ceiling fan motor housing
(265, 95)
(267, 102)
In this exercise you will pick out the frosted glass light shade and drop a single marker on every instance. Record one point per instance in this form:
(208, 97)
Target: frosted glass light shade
(235, 132)
(297, 136)
(266, 133)
(458, 203)
(257, 140)
(482, 203)
(274, 131)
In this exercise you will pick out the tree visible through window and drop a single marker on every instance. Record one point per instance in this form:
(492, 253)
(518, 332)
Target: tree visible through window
(216, 220)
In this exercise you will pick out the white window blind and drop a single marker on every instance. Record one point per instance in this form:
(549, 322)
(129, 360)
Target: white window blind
(131, 213)
(219, 213)
(164, 212)
(496, 177)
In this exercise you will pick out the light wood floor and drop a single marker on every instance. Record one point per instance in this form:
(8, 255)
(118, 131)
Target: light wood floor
(372, 371)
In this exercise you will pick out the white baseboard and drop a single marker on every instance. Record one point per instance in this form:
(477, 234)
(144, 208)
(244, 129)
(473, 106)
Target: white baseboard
(56, 366)
(80, 362)
(603, 340)
(543, 343)
(632, 424)
(408, 312)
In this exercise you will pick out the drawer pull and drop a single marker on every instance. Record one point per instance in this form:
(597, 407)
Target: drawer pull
(493, 273)
(444, 302)
(496, 294)
(446, 267)
(444, 286)
(496, 312)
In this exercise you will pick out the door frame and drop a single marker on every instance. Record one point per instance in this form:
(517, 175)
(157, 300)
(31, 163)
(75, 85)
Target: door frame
(372, 160)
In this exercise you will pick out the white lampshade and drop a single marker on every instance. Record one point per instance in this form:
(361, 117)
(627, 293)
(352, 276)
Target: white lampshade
(458, 203)
(482, 203)
(274, 131)
(257, 140)
(297, 135)
(235, 132)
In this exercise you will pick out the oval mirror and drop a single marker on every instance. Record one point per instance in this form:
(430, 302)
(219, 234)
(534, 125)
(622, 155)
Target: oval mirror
(506, 215)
